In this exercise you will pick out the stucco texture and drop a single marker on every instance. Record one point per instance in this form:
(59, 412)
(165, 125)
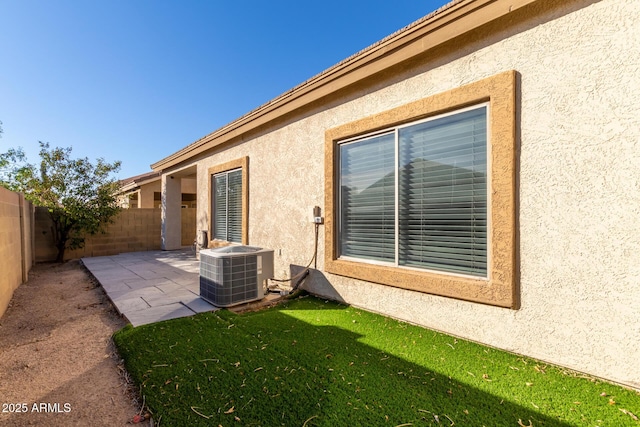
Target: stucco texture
(578, 190)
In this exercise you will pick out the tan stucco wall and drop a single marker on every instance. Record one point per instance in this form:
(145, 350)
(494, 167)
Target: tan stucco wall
(145, 195)
(578, 191)
(188, 226)
(188, 185)
(16, 253)
(171, 236)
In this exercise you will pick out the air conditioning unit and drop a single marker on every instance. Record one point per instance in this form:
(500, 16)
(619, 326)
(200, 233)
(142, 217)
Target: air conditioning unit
(234, 274)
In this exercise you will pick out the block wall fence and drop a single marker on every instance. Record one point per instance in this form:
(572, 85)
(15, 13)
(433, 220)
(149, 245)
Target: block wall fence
(16, 243)
(26, 237)
(134, 230)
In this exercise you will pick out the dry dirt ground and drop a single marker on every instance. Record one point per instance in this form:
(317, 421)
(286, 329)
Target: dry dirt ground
(58, 365)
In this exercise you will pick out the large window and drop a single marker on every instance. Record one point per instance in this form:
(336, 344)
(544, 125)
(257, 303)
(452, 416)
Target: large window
(423, 196)
(229, 202)
(227, 206)
(416, 195)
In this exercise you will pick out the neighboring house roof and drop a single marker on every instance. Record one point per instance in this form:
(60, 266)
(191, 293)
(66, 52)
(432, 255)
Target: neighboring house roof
(450, 21)
(132, 183)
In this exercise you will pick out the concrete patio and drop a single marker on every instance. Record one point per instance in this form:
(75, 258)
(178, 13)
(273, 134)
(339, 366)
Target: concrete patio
(148, 287)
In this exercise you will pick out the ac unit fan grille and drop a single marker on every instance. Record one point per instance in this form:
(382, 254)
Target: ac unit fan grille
(228, 281)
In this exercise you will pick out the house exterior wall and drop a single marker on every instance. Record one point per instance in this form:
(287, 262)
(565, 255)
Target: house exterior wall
(578, 222)
(171, 216)
(146, 193)
(188, 185)
(188, 226)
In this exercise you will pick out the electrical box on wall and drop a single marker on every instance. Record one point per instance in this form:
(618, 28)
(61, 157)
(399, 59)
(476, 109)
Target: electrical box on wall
(317, 215)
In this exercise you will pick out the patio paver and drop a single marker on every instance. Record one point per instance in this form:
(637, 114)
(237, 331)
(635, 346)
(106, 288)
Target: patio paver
(159, 313)
(148, 287)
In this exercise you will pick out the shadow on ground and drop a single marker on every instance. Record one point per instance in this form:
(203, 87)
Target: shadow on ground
(293, 367)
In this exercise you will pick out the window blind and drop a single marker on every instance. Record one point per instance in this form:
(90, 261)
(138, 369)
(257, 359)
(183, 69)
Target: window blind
(220, 206)
(440, 195)
(227, 206)
(443, 194)
(367, 188)
(234, 216)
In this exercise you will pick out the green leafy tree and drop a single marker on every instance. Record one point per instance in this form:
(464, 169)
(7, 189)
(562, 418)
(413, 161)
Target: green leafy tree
(79, 195)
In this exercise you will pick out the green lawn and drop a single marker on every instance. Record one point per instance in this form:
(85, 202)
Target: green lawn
(316, 363)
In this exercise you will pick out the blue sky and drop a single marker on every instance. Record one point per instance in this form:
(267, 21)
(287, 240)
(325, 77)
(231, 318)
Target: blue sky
(137, 80)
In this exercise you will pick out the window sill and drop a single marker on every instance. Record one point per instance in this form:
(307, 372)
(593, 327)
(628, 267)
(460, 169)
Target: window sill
(480, 290)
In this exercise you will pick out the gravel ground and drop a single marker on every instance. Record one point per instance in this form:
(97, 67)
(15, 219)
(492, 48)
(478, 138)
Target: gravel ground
(58, 365)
